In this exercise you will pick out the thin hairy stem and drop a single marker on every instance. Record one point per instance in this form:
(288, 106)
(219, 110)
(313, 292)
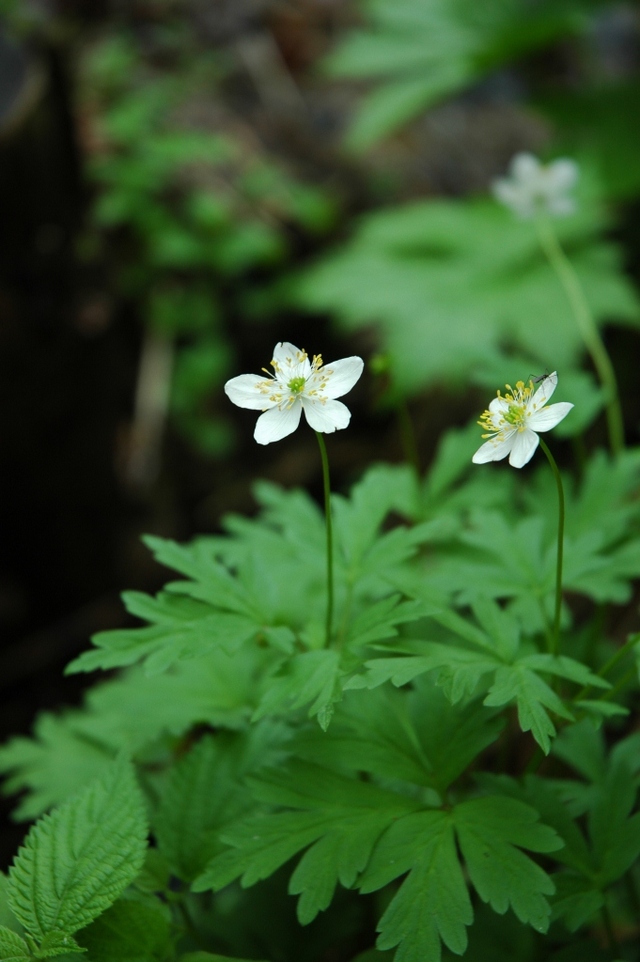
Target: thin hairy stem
(587, 327)
(327, 515)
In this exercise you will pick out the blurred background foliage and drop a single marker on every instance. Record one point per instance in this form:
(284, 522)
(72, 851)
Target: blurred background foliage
(186, 182)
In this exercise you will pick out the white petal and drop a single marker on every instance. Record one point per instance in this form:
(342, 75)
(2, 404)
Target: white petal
(524, 168)
(287, 357)
(277, 423)
(499, 405)
(328, 417)
(493, 450)
(344, 375)
(548, 418)
(563, 173)
(544, 392)
(244, 391)
(286, 351)
(523, 449)
(514, 196)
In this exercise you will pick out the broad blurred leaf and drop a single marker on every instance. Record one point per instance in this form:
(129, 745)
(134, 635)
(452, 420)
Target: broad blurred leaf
(446, 284)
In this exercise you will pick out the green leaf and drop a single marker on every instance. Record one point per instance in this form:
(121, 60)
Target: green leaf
(564, 667)
(402, 270)
(12, 947)
(75, 862)
(130, 712)
(582, 747)
(577, 899)
(308, 677)
(437, 49)
(432, 904)
(7, 918)
(459, 669)
(185, 628)
(387, 108)
(488, 830)
(417, 736)
(615, 833)
(212, 582)
(55, 944)
(131, 929)
(378, 621)
(533, 698)
(204, 794)
(343, 816)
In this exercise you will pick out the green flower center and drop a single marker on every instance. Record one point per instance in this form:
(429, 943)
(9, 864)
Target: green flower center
(296, 385)
(515, 415)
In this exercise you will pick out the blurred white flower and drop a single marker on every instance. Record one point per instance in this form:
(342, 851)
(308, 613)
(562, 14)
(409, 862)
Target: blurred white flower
(296, 385)
(514, 421)
(534, 188)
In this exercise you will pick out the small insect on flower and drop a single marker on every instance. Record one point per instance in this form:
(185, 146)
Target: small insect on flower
(514, 421)
(539, 378)
(297, 384)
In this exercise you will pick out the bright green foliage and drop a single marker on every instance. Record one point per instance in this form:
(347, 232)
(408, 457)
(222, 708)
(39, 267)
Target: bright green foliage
(129, 713)
(492, 649)
(415, 737)
(423, 844)
(597, 858)
(350, 826)
(12, 947)
(205, 792)
(75, 862)
(423, 53)
(131, 929)
(488, 830)
(238, 599)
(270, 758)
(342, 816)
(432, 904)
(182, 628)
(445, 773)
(401, 270)
(435, 889)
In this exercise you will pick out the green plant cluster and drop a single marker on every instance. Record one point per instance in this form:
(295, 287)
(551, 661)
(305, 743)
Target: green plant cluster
(376, 778)
(414, 55)
(186, 210)
(402, 269)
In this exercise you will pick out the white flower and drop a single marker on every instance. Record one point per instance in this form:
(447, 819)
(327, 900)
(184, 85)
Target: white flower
(534, 188)
(296, 385)
(514, 421)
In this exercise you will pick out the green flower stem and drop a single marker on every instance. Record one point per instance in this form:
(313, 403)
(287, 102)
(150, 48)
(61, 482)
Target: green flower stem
(554, 644)
(408, 435)
(327, 514)
(608, 927)
(587, 327)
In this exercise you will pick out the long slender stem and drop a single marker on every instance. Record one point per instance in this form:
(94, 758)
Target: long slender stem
(408, 435)
(587, 327)
(327, 514)
(554, 646)
(608, 927)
